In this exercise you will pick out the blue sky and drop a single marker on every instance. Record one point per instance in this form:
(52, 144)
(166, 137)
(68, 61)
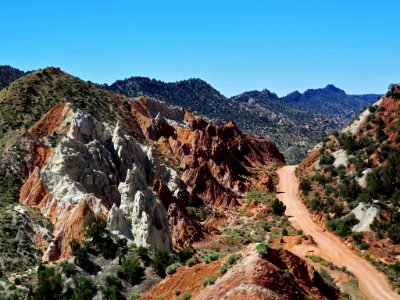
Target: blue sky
(234, 45)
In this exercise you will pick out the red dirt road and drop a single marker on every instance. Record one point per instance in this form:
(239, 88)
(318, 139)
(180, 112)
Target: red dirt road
(372, 283)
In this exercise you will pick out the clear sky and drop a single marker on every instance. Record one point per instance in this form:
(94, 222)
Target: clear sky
(234, 45)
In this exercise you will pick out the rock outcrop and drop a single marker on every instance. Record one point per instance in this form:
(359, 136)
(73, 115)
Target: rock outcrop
(94, 169)
(215, 160)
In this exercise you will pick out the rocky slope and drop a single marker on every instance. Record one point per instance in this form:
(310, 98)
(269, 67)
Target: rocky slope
(350, 181)
(277, 274)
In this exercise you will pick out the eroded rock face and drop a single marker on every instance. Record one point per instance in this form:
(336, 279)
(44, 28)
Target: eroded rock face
(184, 231)
(215, 159)
(98, 169)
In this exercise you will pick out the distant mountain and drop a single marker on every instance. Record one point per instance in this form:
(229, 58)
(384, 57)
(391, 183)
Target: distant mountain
(329, 101)
(294, 122)
(9, 74)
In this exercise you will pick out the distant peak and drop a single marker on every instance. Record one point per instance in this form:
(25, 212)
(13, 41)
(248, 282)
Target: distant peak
(294, 94)
(331, 87)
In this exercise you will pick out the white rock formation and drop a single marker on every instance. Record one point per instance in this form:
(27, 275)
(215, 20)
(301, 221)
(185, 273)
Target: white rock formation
(365, 213)
(113, 171)
(362, 118)
(341, 158)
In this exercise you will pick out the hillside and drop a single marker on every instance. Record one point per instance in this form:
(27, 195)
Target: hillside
(9, 74)
(119, 192)
(294, 129)
(350, 182)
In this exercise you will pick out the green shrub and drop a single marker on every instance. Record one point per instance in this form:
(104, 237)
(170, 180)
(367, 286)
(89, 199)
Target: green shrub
(144, 255)
(177, 292)
(265, 226)
(342, 227)
(284, 231)
(135, 296)
(394, 233)
(305, 186)
(80, 252)
(159, 298)
(262, 248)
(363, 245)
(191, 262)
(185, 254)
(171, 269)
(372, 108)
(357, 236)
(327, 159)
(209, 280)
(233, 258)
(84, 288)
(223, 269)
(112, 291)
(210, 257)
(68, 269)
(185, 296)
(131, 270)
(161, 261)
(278, 208)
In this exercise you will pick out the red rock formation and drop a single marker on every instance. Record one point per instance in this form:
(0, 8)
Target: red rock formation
(266, 183)
(33, 191)
(251, 277)
(215, 159)
(51, 121)
(184, 231)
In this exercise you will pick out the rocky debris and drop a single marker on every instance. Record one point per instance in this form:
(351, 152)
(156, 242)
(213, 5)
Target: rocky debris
(201, 148)
(278, 274)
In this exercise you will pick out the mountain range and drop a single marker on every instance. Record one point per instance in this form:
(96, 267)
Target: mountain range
(295, 122)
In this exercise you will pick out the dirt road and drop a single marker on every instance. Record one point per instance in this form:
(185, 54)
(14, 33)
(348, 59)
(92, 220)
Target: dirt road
(372, 283)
